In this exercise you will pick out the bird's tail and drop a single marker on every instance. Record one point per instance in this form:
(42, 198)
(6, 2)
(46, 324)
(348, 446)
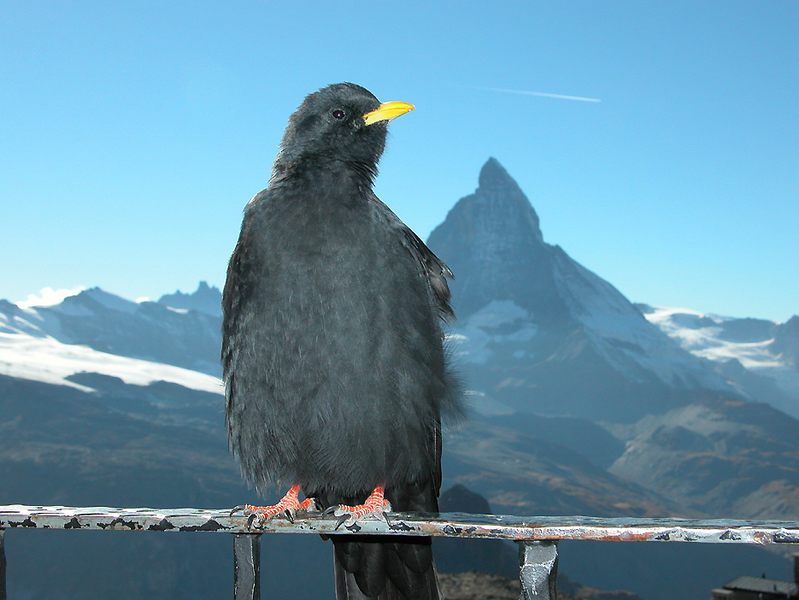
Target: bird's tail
(384, 568)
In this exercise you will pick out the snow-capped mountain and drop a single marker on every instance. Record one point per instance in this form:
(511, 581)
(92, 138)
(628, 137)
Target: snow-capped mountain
(45, 359)
(539, 334)
(85, 426)
(94, 331)
(97, 327)
(540, 329)
(582, 404)
(757, 356)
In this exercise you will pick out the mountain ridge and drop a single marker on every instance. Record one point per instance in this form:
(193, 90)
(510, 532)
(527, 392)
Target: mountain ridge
(607, 361)
(574, 321)
(601, 409)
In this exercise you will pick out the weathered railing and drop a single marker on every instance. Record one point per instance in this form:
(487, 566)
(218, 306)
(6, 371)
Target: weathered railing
(537, 536)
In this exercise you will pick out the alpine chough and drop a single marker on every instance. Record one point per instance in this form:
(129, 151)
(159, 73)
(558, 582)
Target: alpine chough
(335, 371)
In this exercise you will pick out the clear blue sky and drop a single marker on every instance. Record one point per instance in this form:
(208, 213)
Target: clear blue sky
(133, 133)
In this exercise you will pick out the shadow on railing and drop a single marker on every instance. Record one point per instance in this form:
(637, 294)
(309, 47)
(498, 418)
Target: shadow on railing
(537, 536)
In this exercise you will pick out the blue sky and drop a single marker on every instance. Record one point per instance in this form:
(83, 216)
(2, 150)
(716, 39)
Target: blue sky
(132, 134)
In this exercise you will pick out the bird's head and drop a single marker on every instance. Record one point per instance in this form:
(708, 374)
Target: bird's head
(341, 122)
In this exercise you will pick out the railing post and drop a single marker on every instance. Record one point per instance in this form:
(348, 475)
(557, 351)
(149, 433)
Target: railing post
(246, 566)
(2, 567)
(538, 570)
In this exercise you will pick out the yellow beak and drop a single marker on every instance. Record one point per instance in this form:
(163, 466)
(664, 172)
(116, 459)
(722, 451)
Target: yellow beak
(387, 111)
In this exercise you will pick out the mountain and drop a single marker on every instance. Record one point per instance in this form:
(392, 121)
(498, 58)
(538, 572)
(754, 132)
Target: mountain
(539, 335)
(758, 357)
(86, 426)
(521, 473)
(727, 457)
(538, 330)
(580, 403)
(206, 299)
(45, 359)
(92, 342)
(786, 341)
(480, 452)
(107, 323)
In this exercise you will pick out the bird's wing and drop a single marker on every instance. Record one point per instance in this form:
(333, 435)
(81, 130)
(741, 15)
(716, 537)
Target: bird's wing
(230, 312)
(435, 271)
(230, 304)
(237, 292)
(239, 284)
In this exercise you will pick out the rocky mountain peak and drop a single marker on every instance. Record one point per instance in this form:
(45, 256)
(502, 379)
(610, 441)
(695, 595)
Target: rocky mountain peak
(206, 299)
(492, 241)
(511, 287)
(499, 197)
(494, 175)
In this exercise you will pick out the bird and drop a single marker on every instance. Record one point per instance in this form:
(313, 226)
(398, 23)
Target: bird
(334, 360)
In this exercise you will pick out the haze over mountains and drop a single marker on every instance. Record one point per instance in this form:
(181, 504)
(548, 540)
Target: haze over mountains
(582, 402)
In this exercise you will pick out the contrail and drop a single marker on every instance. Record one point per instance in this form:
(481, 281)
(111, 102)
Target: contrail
(542, 94)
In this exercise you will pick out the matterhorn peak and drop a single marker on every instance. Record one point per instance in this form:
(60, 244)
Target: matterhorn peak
(499, 193)
(498, 208)
(491, 239)
(493, 175)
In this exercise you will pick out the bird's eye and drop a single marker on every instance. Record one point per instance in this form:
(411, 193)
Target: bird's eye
(339, 114)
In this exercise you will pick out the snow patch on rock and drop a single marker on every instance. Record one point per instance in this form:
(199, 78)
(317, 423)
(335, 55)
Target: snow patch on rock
(498, 323)
(50, 361)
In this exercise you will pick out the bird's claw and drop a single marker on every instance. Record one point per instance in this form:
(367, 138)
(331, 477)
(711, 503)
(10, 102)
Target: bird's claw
(259, 519)
(341, 520)
(353, 514)
(286, 508)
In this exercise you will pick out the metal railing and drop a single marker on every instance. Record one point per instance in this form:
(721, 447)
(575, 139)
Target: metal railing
(537, 536)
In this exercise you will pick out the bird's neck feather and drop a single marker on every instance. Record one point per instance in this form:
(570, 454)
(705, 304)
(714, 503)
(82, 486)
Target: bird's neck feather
(324, 169)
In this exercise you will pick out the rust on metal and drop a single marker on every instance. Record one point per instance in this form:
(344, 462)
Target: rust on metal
(454, 525)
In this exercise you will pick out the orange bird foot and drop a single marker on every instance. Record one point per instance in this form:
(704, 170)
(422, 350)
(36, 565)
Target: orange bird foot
(374, 507)
(288, 506)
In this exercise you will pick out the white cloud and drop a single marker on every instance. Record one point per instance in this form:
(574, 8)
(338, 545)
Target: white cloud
(141, 299)
(48, 296)
(542, 94)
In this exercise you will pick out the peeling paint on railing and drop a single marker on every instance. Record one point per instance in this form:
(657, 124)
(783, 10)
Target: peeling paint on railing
(537, 536)
(444, 525)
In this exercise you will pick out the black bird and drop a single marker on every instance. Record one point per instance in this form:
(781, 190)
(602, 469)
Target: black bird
(334, 364)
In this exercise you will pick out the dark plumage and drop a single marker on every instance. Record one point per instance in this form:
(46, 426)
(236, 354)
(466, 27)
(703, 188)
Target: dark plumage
(334, 365)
